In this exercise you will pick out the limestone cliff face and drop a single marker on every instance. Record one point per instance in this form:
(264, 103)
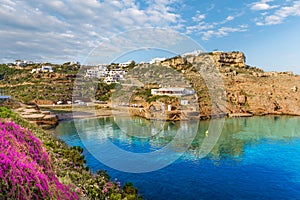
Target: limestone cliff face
(248, 89)
(221, 59)
(231, 59)
(276, 94)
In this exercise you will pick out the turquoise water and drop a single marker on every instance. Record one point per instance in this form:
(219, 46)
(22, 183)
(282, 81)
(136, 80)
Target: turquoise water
(254, 158)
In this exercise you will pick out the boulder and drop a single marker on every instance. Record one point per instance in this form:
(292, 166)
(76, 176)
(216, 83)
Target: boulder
(242, 99)
(294, 89)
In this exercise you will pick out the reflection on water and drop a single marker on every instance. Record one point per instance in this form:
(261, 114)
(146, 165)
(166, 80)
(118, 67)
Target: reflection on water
(254, 158)
(140, 135)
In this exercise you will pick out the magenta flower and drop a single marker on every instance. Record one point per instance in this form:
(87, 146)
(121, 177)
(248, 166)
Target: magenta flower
(109, 184)
(25, 168)
(104, 190)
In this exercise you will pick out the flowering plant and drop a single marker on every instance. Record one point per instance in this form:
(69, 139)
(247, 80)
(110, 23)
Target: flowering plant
(25, 169)
(34, 164)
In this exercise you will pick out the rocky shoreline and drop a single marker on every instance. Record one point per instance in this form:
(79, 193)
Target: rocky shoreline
(101, 113)
(44, 119)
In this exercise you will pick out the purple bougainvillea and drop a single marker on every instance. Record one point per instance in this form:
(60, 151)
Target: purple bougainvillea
(25, 169)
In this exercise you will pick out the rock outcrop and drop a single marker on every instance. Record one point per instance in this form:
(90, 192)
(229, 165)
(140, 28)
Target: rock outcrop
(229, 59)
(44, 102)
(43, 119)
(249, 90)
(220, 59)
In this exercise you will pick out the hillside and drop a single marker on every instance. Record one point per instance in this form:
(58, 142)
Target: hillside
(248, 89)
(251, 90)
(25, 86)
(47, 87)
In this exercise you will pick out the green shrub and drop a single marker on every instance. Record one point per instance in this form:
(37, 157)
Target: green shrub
(68, 163)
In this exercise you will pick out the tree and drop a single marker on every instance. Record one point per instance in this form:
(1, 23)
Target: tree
(131, 65)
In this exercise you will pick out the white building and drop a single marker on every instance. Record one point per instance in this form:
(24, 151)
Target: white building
(156, 60)
(193, 53)
(125, 64)
(20, 63)
(47, 68)
(172, 91)
(97, 72)
(109, 80)
(110, 76)
(3, 96)
(43, 69)
(184, 102)
(29, 62)
(23, 63)
(118, 73)
(74, 63)
(35, 70)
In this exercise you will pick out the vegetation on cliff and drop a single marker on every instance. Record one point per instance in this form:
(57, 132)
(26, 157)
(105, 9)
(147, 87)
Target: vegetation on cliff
(39, 166)
(249, 90)
(26, 87)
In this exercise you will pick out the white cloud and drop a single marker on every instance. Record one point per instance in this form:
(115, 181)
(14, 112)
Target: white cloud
(214, 29)
(281, 14)
(263, 5)
(199, 27)
(70, 28)
(223, 31)
(229, 18)
(198, 17)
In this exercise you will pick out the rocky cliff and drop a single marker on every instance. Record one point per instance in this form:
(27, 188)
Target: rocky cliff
(267, 94)
(249, 90)
(231, 59)
(221, 59)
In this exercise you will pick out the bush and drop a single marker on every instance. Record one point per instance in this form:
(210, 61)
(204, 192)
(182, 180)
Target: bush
(68, 166)
(25, 169)
(5, 112)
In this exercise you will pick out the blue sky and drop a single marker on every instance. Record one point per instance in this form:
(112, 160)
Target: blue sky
(267, 31)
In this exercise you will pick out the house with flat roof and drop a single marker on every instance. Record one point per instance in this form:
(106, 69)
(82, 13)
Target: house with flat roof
(119, 73)
(110, 79)
(20, 63)
(172, 91)
(97, 72)
(3, 96)
(125, 64)
(47, 68)
(156, 60)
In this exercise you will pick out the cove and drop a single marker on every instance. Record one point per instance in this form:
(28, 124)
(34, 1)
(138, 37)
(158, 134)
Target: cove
(254, 158)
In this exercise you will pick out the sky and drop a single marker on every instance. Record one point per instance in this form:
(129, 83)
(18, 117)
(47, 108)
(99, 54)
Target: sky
(267, 31)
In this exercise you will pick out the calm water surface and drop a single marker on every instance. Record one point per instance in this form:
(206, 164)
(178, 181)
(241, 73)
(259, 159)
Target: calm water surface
(254, 158)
